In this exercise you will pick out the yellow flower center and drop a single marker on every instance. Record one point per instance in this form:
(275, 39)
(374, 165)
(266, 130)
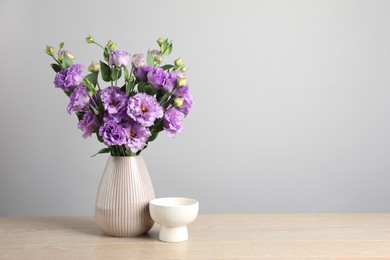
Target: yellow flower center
(144, 109)
(132, 134)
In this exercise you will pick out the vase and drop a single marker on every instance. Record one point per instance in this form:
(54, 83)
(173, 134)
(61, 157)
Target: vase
(122, 201)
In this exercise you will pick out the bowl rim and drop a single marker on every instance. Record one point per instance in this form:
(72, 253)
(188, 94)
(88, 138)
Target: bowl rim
(191, 202)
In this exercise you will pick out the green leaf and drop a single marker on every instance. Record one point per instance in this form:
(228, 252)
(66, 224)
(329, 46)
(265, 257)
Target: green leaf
(80, 115)
(100, 139)
(116, 73)
(103, 150)
(123, 88)
(153, 137)
(95, 111)
(164, 46)
(127, 74)
(106, 71)
(90, 87)
(106, 54)
(149, 59)
(156, 129)
(168, 50)
(160, 94)
(130, 153)
(167, 67)
(56, 67)
(146, 88)
(92, 77)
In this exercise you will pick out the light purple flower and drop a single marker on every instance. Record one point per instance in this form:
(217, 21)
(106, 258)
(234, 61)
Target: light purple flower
(112, 133)
(184, 92)
(141, 73)
(68, 79)
(119, 58)
(156, 76)
(137, 136)
(173, 122)
(138, 60)
(170, 81)
(88, 124)
(144, 109)
(114, 102)
(79, 100)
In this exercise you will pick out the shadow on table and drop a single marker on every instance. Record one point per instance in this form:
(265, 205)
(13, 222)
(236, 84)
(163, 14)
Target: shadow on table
(85, 225)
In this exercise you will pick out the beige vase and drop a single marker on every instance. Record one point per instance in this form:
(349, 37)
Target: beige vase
(122, 201)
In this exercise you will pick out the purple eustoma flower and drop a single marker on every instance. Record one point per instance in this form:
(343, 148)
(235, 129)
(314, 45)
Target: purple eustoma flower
(173, 122)
(170, 81)
(144, 109)
(184, 92)
(137, 136)
(68, 79)
(114, 102)
(79, 100)
(156, 77)
(88, 124)
(112, 133)
(119, 58)
(141, 73)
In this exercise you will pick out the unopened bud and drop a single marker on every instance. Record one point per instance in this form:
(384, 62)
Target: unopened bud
(49, 50)
(178, 102)
(67, 53)
(111, 45)
(160, 41)
(94, 67)
(184, 69)
(89, 39)
(157, 57)
(181, 82)
(178, 63)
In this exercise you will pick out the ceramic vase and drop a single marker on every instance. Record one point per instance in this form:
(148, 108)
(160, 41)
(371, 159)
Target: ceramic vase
(122, 201)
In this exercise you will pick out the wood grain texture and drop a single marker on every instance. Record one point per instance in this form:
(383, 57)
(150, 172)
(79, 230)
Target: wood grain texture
(266, 236)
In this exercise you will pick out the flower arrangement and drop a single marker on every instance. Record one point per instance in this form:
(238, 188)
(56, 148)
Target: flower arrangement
(125, 116)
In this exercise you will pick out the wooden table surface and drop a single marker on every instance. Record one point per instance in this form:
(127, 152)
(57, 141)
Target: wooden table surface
(265, 236)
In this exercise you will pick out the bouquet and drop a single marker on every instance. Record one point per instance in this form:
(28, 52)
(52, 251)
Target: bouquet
(139, 98)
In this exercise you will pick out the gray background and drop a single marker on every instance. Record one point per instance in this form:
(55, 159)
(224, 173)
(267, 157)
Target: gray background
(291, 115)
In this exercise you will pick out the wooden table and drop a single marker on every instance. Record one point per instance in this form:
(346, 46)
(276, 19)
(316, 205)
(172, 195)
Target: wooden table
(266, 236)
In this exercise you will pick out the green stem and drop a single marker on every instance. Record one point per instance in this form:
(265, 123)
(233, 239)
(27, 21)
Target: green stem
(59, 63)
(98, 45)
(116, 78)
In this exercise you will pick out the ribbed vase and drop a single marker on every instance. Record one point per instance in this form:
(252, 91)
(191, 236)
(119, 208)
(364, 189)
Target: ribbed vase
(122, 201)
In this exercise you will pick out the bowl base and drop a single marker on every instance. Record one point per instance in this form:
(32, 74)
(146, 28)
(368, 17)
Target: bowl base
(173, 234)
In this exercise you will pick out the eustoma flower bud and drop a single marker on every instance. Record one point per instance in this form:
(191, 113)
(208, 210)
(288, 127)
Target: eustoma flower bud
(157, 57)
(89, 39)
(67, 53)
(160, 41)
(49, 50)
(111, 45)
(178, 102)
(94, 67)
(178, 63)
(181, 82)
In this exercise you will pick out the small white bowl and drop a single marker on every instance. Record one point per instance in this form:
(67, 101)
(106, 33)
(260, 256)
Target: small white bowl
(173, 214)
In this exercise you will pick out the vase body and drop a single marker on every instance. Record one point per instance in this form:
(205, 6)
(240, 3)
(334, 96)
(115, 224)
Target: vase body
(122, 201)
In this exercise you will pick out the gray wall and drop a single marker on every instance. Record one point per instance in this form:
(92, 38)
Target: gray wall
(292, 104)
